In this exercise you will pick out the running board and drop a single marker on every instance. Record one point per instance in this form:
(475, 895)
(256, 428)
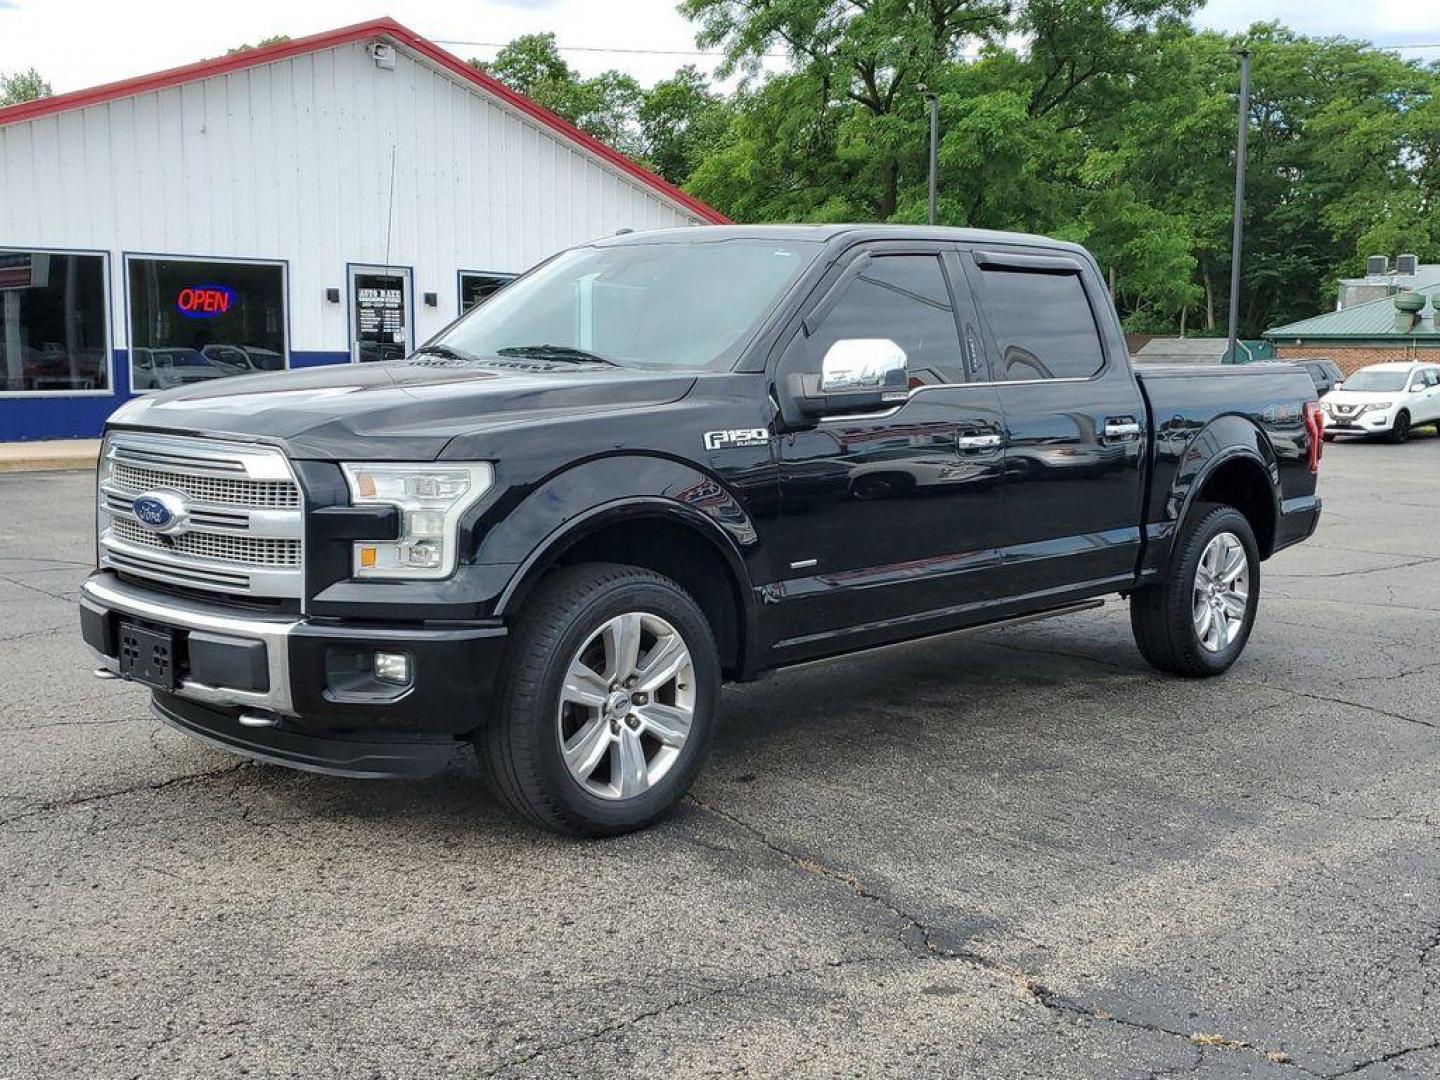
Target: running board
(1013, 620)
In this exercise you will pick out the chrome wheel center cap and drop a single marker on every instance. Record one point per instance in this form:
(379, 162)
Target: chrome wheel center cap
(618, 703)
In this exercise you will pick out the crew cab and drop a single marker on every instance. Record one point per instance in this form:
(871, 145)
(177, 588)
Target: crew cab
(1384, 399)
(667, 459)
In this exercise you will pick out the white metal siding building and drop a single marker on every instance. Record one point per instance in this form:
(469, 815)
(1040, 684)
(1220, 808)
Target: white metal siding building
(326, 200)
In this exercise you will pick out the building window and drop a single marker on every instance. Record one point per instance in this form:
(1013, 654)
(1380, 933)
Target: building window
(476, 288)
(197, 319)
(53, 334)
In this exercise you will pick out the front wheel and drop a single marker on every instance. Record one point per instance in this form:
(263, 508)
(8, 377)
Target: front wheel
(1400, 430)
(1196, 624)
(607, 704)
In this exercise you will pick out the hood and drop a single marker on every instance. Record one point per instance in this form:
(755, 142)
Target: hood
(1361, 397)
(396, 411)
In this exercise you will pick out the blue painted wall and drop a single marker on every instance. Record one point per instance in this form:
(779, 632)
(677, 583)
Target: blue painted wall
(40, 417)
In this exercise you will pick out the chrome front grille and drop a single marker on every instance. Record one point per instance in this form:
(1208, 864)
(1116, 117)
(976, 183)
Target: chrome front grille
(275, 494)
(247, 550)
(242, 525)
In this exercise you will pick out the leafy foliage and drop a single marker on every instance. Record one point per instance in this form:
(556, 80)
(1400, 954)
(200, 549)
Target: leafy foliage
(22, 86)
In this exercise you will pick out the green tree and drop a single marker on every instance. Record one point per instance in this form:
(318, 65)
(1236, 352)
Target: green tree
(605, 106)
(861, 62)
(680, 119)
(275, 39)
(22, 86)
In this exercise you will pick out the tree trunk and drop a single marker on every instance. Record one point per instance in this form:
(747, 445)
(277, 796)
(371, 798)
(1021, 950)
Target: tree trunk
(1183, 312)
(889, 188)
(1209, 302)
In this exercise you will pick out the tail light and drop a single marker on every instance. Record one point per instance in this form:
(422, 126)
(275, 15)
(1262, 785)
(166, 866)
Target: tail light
(1315, 425)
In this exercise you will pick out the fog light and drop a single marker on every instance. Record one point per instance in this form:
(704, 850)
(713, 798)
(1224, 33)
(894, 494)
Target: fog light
(392, 667)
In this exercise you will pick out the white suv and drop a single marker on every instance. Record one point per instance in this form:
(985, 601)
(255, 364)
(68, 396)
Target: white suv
(1384, 399)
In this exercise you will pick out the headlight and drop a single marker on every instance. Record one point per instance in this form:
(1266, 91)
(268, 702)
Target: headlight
(431, 499)
(1375, 406)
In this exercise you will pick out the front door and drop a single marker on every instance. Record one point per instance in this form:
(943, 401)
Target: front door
(380, 313)
(1075, 426)
(890, 521)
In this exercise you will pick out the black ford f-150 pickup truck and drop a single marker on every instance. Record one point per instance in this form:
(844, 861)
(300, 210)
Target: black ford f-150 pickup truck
(666, 459)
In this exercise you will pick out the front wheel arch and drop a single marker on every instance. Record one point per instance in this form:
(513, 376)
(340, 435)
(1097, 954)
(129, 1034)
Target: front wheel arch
(667, 540)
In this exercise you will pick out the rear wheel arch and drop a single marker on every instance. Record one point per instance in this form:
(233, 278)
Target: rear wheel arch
(1244, 482)
(1229, 461)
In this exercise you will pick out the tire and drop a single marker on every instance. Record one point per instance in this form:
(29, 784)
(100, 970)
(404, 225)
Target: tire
(1163, 617)
(579, 616)
(1328, 436)
(1400, 430)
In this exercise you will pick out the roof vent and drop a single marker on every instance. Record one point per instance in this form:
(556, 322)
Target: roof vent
(1376, 265)
(1407, 264)
(1408, 303)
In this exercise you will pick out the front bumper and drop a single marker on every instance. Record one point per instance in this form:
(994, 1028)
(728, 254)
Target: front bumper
(1366, 423)
(275, 685)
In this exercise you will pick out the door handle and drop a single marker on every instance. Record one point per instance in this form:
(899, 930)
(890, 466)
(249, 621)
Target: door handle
(1121, 429)
(979, 442)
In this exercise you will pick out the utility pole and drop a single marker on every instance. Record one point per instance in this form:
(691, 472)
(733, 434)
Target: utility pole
(934, 101)
(1238, 236)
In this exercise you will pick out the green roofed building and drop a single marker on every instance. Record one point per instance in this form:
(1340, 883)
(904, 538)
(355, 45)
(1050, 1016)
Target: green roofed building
(1400, 327)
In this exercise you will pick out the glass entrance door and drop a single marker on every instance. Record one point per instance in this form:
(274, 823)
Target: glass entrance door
(381, 323)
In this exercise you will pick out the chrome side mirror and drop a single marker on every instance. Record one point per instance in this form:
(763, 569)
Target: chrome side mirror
(857, 365)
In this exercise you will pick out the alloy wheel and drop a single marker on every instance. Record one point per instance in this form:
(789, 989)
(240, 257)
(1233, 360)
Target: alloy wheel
(1222, 592)
(626, 705)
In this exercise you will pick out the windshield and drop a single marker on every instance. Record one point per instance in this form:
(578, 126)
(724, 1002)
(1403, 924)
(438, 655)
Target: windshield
(683, 306)
(1377, 380)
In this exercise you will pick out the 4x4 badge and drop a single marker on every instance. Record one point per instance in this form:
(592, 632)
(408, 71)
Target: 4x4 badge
(723, 440)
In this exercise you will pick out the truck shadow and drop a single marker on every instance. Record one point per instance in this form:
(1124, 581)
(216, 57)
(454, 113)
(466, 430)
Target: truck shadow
(914, 705)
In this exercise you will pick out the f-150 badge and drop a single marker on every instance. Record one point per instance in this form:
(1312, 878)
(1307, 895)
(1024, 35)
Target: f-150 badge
(723, 440)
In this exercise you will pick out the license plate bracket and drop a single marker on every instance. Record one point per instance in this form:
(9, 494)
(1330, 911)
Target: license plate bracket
(147, 655)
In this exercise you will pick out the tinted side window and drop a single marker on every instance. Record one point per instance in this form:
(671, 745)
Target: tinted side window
(903, 298)
(1042, 325)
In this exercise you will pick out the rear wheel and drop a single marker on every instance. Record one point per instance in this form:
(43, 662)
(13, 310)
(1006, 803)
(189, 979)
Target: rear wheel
(1400, 430)
(1196, 624)
(607, 705)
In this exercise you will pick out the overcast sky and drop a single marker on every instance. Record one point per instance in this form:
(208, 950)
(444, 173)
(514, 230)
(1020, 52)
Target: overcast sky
(79, 43)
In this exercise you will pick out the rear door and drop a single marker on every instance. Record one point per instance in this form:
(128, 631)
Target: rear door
(1430, 395)
(1076, 427)
(892, 518)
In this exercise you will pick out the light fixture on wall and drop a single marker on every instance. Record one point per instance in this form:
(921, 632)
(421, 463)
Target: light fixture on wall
(432, 299)
(333, 295)
(383, 53)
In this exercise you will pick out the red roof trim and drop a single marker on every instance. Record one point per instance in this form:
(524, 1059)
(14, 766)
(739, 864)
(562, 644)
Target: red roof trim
(345, 35)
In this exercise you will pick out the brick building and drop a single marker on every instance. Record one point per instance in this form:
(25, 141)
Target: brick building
(1378, 331)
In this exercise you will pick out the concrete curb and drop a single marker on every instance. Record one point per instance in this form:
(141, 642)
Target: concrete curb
(49, 456)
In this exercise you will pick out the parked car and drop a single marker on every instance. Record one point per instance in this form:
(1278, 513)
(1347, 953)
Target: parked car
(163, 369)
(663, 460)
(1384, 399)
(239, 359)
(1325, 373)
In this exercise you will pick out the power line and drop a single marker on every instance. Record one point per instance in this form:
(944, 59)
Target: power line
(787, 56)
(599, 49)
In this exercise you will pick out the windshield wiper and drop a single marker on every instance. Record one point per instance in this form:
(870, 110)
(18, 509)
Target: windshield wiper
(449, 352)
(561, 353)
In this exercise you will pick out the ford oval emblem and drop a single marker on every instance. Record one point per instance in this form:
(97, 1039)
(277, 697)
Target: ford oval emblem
(160, 511)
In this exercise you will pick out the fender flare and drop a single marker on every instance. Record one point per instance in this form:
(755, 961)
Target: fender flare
(1223, 441)
(569, 506)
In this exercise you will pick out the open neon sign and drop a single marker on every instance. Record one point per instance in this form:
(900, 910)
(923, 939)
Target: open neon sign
(204, 301)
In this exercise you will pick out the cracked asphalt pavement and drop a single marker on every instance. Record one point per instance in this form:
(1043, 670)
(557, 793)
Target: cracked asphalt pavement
(1014, 853)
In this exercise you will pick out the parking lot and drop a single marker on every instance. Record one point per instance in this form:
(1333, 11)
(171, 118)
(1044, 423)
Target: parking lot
(1014, 853)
